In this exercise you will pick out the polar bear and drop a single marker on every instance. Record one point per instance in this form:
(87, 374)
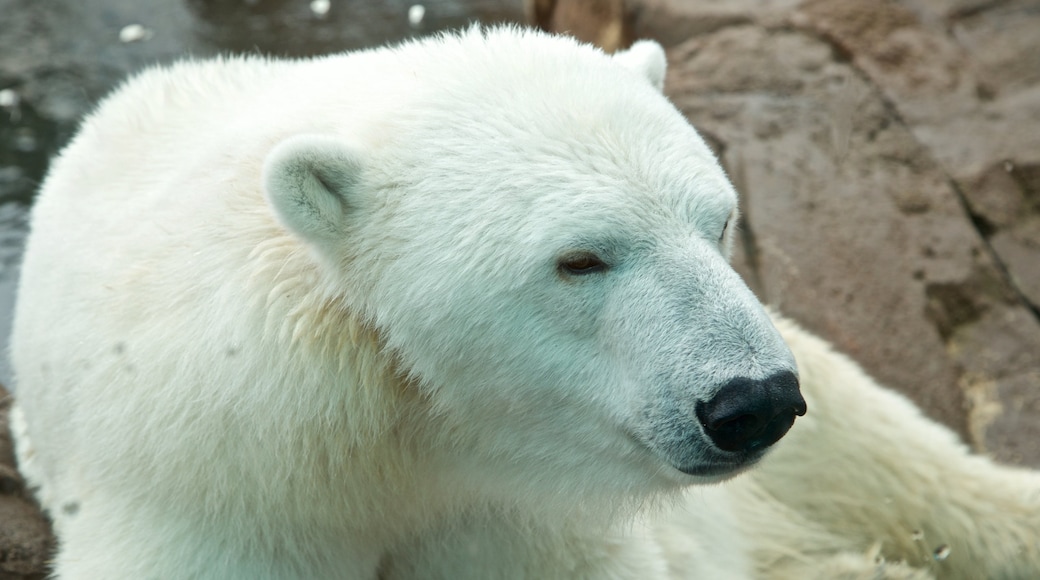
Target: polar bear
(459, 308)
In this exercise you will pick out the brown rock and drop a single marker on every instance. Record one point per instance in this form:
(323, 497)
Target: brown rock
(671, 22)
(1013, 438)
(607, 24)
(1002, 342)
(995, 197)
(25, 537)
(967, 96)
(1019, 249)
(922, 71)
(972, 96)
(1003, 42)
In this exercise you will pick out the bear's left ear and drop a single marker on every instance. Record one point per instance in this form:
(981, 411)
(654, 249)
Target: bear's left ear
(310, 181)
(645, 58)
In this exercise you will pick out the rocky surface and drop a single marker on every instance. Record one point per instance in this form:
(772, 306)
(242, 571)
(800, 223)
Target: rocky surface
(888, 154)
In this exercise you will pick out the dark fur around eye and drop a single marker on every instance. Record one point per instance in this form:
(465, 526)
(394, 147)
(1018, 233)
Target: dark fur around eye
(581, 264)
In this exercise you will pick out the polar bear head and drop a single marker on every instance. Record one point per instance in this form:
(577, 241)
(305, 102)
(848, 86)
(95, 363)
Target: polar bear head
(542, 239)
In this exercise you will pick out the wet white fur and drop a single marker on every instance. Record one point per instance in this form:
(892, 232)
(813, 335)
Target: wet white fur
(304, 319)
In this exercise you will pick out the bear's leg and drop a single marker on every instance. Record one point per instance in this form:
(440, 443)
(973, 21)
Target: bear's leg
(865, 468)
(25, 455)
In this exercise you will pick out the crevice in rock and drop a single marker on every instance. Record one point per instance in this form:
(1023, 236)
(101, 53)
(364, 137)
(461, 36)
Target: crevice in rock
(950, 306)
(982, 225)
(998, 263)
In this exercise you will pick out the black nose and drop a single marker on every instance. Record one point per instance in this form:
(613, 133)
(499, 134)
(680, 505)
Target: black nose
(747, 415)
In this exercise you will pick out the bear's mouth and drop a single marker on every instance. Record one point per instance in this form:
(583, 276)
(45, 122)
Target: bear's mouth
(711, 465)
(722, 470)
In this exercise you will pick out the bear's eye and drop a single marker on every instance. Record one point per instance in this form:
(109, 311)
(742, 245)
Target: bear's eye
(581, 264)
(724, 229)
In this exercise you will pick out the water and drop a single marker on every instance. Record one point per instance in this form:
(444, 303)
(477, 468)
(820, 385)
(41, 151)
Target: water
(58, 57)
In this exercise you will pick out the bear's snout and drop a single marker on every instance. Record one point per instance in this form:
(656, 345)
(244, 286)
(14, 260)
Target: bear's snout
(748, 415)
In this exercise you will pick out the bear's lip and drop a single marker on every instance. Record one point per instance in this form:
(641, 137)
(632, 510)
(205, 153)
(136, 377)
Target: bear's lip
(719, 467)
(723, 470)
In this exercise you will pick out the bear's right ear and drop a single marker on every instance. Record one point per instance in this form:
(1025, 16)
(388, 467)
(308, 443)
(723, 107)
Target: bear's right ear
(646, 58)
(309, 180)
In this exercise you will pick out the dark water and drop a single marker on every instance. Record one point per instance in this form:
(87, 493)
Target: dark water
(58, 57)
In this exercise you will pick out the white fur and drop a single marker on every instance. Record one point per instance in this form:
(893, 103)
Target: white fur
(307, 320)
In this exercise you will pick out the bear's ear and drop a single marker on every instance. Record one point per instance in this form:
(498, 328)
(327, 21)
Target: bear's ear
(645, 58)
(310, 181)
